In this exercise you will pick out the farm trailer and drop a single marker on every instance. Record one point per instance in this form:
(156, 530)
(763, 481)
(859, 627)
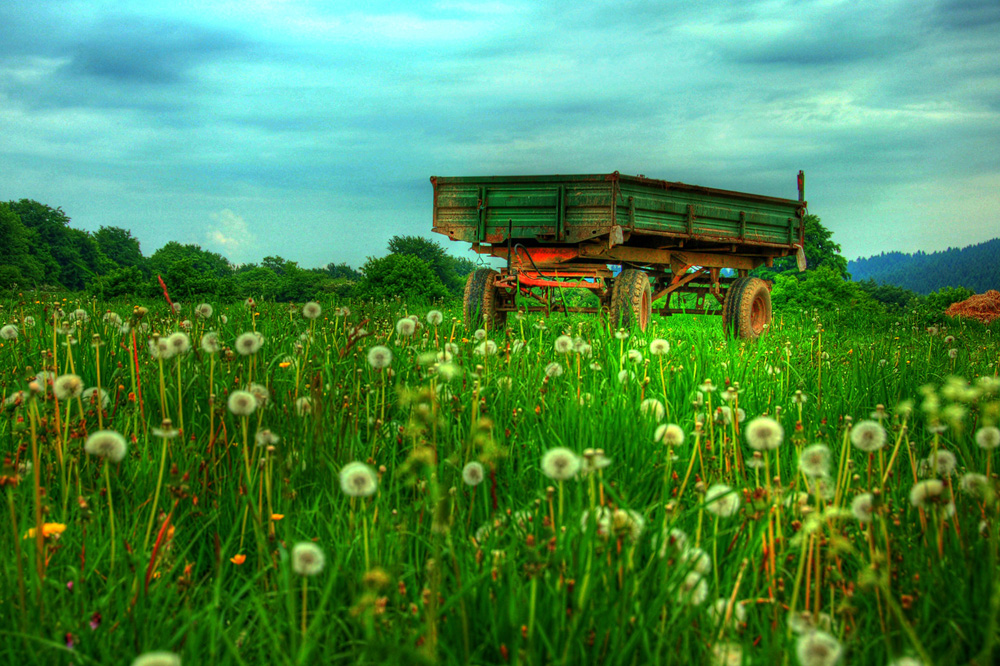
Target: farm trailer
(563, 232)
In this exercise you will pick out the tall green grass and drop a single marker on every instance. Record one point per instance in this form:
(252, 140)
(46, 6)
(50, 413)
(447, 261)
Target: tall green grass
(521, 568)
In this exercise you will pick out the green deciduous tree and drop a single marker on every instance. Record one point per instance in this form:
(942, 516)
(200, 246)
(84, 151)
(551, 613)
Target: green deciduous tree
(820, 250)
(450, 270)
(17, 263)
(120, 246)
(400, 275)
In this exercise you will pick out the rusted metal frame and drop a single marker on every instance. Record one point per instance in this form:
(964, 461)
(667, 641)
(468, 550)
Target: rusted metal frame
(561, 308)
(678, 283)
(725, 240)
(667, 311)
(528, 280)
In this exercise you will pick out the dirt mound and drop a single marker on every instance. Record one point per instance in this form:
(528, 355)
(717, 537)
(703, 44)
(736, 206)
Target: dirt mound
(982, 307)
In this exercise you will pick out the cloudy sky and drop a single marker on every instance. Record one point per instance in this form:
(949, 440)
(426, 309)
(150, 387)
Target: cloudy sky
(309, 129)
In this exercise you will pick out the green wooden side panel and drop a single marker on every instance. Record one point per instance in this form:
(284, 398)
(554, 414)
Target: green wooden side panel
(571, 209)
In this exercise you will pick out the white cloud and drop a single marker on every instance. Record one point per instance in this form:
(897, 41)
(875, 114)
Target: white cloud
(230, 233)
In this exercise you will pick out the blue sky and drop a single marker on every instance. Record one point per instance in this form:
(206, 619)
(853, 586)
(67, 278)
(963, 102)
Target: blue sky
(310, 129)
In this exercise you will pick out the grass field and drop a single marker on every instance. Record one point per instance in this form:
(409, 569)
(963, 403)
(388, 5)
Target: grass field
(358, 487)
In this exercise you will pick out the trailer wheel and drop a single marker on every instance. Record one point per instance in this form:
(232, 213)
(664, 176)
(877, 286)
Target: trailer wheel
(746, 310)
(480, 301)
(631, 300)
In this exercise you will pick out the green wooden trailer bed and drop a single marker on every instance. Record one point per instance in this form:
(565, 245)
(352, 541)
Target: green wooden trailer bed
(564, 231)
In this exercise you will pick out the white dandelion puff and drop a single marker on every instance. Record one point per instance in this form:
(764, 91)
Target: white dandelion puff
(358, 480)
(379, 357)
(307, 558)
(242, 403)
(815, 460)
(670, 434)
(868, 436)
(405, 327)
(106, 444)
(563, 344)
(652, 407)
(722, 500)
(560, 464)
(473, 473)
(988, 437)
(659, 347)
(818, 648)
(764, 434)
(863, 507)
(68, 386)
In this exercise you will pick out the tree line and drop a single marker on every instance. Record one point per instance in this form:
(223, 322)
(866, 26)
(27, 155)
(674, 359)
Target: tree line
(39, 249)
(976, 267)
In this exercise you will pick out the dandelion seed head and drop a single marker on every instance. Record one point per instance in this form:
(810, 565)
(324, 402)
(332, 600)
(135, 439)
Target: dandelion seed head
(815, 460)
(94, 395)
(976, 485)
(560, 464)
(67, 386)
(725, 654)
(988, 437)
(764, 434)
(210, 343)
(260, 394)
(434, 317)
(106, 444)
(307, 558)
(924, 492)
(358, 480)
(722, 500)
(563, 344)
(634, 356)
(473, 473)
(717, 612)
(157, 658)
(405, 327)
(242, 403)
(480, 334)
(203, 311)
(553, 369)
(868, 436)
(863, 507)
(485, 348)
(670, 434)
(942, 462)
(8, 332)
(303, 406)
(249, 343)
(379, 357)
(653, 408)
(818, 648)
(179, 343)
(659, 347)
(693, 590)
(312, 310)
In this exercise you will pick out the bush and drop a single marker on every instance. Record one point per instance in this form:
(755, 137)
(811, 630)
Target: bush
(399, 276)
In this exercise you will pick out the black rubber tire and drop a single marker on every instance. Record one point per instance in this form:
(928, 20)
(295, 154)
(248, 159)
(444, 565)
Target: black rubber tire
(746, 309)
(479, 302)
(631, 300)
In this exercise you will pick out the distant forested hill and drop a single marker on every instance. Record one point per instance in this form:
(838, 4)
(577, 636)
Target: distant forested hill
(976, 267)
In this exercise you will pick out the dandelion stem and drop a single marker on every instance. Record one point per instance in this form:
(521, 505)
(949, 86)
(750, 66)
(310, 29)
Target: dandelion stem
(111, 511)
